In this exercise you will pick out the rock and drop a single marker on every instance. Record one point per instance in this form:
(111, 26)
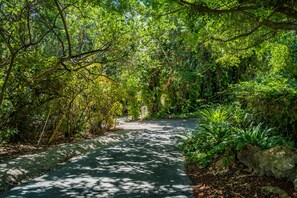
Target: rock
(275, 191)
(247, 156)
(278, 161)
(222, 165)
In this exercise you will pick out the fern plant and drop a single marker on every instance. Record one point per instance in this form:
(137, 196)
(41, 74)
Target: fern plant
(220, 132)
(210, 136)
(259, 136)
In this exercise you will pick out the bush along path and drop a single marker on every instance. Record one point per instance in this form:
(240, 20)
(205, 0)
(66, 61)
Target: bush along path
(230, 156)
(147, 164)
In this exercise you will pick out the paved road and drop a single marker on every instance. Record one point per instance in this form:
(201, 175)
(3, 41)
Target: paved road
(146, 165)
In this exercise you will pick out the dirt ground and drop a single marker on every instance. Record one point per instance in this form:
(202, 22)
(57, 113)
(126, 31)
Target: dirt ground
(239, 181)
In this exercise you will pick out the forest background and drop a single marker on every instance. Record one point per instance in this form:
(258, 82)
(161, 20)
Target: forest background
(70, 67)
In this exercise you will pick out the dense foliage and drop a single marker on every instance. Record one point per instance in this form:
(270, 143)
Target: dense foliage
(59, 63)
(226, 130)
(271, 100)
(68, 68)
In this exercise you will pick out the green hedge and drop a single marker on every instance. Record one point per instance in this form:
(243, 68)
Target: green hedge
(271, 100)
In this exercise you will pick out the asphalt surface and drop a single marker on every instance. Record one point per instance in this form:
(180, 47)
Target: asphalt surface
(147, 165)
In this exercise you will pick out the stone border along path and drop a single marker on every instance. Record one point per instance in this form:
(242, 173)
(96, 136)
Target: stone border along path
(142, 162)
(21, 169)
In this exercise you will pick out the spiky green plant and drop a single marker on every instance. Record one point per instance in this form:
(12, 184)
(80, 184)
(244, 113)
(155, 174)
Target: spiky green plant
(219, 131)
(259, 136)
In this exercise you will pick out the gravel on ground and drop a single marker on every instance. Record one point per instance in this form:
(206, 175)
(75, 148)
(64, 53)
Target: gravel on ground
(142, 161)
(15, 171)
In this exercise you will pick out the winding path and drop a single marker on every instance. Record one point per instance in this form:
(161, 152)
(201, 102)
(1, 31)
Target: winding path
(148, 164)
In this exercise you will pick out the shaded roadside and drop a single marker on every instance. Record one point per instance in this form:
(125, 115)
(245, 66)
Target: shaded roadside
(147, 164)
(15, 171)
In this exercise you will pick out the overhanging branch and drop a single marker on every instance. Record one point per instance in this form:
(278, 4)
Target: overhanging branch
(206, 10)
(65, 27)
(287, 23)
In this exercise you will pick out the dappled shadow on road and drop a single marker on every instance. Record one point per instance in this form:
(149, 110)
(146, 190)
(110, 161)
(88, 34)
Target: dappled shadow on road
(147, 165)
(160, 124)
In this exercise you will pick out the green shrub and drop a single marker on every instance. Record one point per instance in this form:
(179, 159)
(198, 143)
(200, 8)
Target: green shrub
(224, 130)
(258, 135)
(210, 136)
(6, 134)
(272, 100)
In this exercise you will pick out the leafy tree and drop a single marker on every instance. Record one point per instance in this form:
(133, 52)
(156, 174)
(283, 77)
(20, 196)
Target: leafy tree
(51, 52)
(72, 66)
(244, 23)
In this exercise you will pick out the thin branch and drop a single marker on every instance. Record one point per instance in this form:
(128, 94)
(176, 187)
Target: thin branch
(65, 28)
(47, 72)
(89, 53)
(28, 21)
(288, 11)
(65, 66)
(204, 9)
(105, 76)
(280, 25)
(59, 63)
(171, 12)
(38, 40)
(284, 25)
(6, 41)
(60, 40)
(236, 37)
(7, 76)
(243, 34)
(273, 33)
(272, 24)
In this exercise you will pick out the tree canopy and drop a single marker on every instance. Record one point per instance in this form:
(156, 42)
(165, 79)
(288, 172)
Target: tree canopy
(245, 24)
(71, 67)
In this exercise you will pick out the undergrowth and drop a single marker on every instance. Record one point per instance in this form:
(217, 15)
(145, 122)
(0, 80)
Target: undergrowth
(226, 130)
